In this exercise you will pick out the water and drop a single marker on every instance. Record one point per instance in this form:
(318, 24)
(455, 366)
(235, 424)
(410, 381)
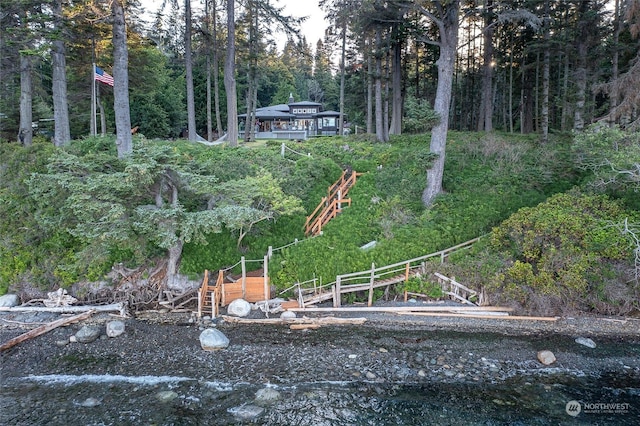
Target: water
(525, 399)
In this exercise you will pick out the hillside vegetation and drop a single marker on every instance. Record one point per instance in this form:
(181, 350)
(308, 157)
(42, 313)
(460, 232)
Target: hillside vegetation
(550, 244)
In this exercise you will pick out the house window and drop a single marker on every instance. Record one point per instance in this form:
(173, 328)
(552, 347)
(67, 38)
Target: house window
(329, 122)
(313, 110)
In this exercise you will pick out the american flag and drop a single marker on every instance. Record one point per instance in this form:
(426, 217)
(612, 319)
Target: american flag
(103, 76)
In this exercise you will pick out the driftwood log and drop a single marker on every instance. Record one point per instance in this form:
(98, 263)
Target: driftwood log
(479, 316)
(398, 309)
(45, 329)
(308, 321)
(117, 307)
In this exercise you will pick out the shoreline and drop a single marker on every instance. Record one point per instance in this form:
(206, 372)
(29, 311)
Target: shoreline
(489, 364)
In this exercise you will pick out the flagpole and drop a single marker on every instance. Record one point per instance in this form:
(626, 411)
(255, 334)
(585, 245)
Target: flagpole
(94, 124)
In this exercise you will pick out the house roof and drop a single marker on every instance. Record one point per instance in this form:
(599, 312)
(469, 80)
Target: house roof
(279, 107)
(266, 113)
(328, 114)
(305, 103)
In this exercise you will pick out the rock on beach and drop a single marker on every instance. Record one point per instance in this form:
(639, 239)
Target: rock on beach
(88, 334)
(212, 339)
(9, 300)
(546, 357)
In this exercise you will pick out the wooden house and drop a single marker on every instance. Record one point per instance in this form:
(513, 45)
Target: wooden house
(295, 120)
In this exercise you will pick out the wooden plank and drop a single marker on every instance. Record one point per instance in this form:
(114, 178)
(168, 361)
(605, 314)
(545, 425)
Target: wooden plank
(45, 329)
(304, 326)
(480, 316)
(67, 309)
(442, 308)
(275, 321)
(460, 298)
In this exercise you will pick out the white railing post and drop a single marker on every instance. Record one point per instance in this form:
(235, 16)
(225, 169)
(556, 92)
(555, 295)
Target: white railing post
(337, 302)
(244, 277)
(371, 281)
(267, 292)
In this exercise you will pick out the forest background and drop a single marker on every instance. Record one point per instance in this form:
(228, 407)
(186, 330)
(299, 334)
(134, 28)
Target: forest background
(531, 67)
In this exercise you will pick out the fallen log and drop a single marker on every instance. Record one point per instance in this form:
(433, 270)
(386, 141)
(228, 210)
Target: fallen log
(407, 309)
(45, 329)
(479, 316)
(119, 307)
(304, 326)
(318, 321)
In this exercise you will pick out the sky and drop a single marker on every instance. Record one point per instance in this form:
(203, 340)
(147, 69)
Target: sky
(313, 28)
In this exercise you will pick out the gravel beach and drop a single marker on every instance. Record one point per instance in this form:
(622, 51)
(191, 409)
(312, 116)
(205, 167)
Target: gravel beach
(387, 351)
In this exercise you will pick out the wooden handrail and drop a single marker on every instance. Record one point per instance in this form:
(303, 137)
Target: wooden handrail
(327, 208)
(346, 283)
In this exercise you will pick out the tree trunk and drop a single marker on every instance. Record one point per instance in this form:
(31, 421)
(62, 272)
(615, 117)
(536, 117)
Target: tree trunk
(396, 115)
(385, 99)
(216, 88)
(369, 92)
(62, 132)
(191, 105)
(124, 142)
(616, 55)
(208, 72)
(173, 264)
(343, 54)
(580, 76)
(230, 77)
(25, 134)
(485, 116)
(448, 27)
(546, 64)
(377, 77)
(526, 100)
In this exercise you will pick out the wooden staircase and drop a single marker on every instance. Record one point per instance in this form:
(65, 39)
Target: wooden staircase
(331, 205)
(209, 295)
(376, 277)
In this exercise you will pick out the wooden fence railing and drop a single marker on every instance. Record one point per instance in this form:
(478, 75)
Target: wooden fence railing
(331, 205)
(373, 278)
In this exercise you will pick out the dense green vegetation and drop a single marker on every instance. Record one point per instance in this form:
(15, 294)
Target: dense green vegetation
(549, 244)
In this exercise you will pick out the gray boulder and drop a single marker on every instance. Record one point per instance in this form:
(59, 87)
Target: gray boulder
(267, 396)
(213, 339)
(166, 396)
(288, 315)
(88, 334)
(247, 412)
(115, 328)
(546, 357)
(239, 308)
(9, 300)
(584, 341)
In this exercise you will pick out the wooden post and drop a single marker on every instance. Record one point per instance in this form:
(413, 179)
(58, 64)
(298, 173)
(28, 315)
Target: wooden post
(335, 296)
(442, 257)
(244, 277)
(282, 147)
(270, 252)
(373, 277)
(300, 298)
(339, 205)
(406, 273)
(267, 293)
(338, 298)
(199, 304)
